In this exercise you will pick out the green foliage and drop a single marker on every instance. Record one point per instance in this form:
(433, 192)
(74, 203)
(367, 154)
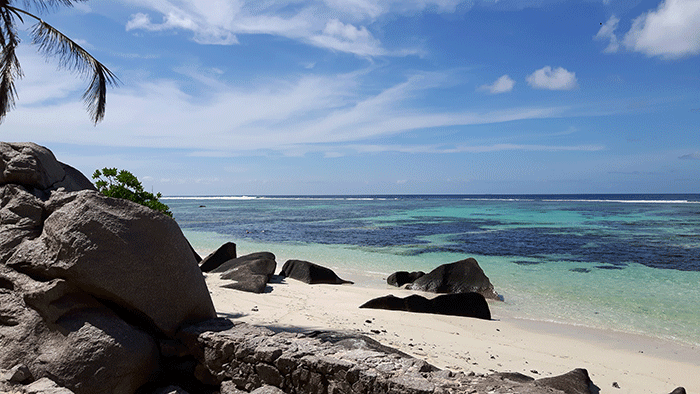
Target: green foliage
(123, 184)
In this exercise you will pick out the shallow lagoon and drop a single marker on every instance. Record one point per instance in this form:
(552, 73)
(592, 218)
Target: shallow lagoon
(625, 263)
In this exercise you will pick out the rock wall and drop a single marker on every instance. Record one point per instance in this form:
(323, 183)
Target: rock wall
(240, 357)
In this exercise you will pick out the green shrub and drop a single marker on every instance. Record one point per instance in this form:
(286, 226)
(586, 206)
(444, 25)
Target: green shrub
(123, 184)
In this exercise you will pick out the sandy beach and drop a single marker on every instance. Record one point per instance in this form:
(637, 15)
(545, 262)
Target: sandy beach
(616, 362)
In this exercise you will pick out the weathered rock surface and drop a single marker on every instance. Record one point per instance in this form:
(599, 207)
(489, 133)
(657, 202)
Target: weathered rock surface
(142, 257)
(17, 374)
(311, 273)
(245, 358)
(250, 272)
(88, 284)
(464, 276)
(46, 386)
(573, 382)
(61, 332)
(31, 165)
(459, 304)
(400, 278)
(225, 253)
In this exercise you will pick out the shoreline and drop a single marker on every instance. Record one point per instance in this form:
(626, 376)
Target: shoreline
(635, 363)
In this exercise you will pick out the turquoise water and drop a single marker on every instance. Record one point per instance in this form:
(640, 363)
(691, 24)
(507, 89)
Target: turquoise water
(627, 263)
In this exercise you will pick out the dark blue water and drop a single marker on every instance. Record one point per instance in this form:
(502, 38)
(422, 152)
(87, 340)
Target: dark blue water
(603, 231)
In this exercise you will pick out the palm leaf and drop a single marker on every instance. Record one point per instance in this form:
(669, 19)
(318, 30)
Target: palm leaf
(73, 57)
(44, 5)
(10, 69)
(51, 42)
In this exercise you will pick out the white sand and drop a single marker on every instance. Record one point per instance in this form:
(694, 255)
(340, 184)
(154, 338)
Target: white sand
(637, 364)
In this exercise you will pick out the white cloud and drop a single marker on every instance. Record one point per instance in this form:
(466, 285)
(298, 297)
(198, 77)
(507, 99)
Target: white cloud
(203, 34)
(288, 115)
(348, 38)
(501, 85)
(691, 156)
(339, 25)
(552, 79)
(607, 32)
(360, 9)
(437, 149)
(347, 32)
(671, 31)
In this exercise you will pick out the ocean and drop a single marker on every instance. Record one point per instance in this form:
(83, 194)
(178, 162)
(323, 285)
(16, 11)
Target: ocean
(629, 263)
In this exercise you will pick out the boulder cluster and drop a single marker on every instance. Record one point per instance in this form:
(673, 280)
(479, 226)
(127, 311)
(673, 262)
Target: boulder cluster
(105, 296)
(463, 286)
(254, 271)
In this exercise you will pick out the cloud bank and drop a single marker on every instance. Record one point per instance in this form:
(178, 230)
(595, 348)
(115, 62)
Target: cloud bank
(331, 24)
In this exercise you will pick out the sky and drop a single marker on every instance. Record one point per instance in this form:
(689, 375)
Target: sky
(304, 97)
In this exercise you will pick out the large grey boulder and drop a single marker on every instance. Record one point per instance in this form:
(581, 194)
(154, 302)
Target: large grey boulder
(464, 276)
(90, 286)
(120, 252)
(21, 218)
(60, 332)
(28, 164)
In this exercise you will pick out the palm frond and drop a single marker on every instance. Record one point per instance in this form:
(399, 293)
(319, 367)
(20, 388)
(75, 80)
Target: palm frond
(10, 69)
(43, 5)
(73, 57)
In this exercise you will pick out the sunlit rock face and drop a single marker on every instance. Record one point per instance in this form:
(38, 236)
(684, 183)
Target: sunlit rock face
(88, 284)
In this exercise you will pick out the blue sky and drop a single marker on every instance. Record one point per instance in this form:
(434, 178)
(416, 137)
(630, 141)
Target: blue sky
(378, 97)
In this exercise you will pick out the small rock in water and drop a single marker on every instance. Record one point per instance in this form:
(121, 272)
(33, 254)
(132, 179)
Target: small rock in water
(609, 267)
(582, 270)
